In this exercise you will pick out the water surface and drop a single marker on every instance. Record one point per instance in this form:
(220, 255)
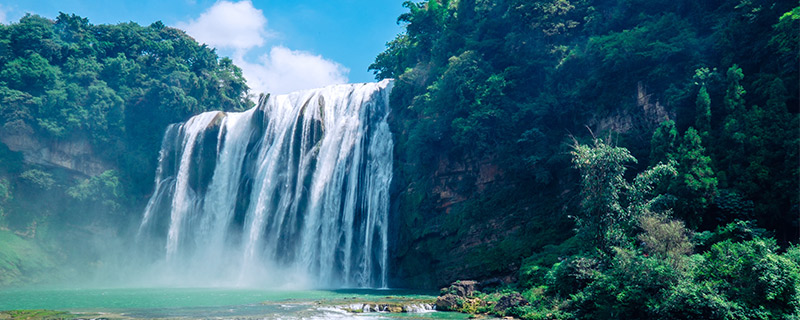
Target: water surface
(223, 303)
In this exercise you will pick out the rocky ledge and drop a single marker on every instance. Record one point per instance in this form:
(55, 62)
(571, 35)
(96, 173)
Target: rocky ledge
(75, 154)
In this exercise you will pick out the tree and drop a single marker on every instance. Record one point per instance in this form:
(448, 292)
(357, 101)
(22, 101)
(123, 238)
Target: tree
(664, 142)
(734, 96)
(762, 283)
(607, 220)
(32, 74)
(786, 40)
(665, 238)
(104, 189)
(696, 185)
(732, 142)
(703, 111)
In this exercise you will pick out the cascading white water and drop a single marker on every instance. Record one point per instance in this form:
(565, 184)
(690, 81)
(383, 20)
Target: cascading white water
(296, 187)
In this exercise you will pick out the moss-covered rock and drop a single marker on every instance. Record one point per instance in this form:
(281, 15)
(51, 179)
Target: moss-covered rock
(35, 314)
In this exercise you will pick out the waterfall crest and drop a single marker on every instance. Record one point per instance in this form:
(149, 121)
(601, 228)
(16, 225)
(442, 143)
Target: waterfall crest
(295, 188)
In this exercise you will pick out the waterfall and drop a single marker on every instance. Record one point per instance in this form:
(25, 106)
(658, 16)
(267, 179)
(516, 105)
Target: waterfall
(295, 188)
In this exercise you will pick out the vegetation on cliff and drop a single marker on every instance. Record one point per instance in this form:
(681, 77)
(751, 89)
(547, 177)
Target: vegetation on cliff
(635, 261)
(497, 103)
(108, 91)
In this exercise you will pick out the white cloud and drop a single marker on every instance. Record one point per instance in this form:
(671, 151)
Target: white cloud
(240, 29)
(284, 70)
(229, 25)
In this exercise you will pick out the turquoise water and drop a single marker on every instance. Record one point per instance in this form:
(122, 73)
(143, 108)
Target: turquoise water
(217, 303)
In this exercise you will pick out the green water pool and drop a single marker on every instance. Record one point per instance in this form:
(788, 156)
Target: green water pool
(221, 303)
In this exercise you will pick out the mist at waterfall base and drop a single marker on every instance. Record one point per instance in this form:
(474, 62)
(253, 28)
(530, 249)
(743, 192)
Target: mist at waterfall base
(291, 194)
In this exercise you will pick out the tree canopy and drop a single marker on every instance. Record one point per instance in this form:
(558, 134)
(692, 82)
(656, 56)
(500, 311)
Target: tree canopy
(116, 87)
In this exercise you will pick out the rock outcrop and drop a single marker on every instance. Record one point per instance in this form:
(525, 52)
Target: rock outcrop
(452, 297)
(462, 288)
(74, 154)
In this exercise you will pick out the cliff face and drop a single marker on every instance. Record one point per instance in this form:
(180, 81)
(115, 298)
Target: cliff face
(455, 180)
(75, 154)
(464, 218)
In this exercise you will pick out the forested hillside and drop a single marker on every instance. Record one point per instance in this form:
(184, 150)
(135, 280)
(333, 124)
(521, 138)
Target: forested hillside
(518, 123)
(83, 109)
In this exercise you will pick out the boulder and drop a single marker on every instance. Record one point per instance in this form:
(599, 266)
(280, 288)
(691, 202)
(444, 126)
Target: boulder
(462, 288)
(510, 300)
(447, 302)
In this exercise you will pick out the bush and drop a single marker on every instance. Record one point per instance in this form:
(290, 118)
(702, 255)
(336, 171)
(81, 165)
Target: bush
(665, 238)
(754, 276)
(633, 287)
(571, 275)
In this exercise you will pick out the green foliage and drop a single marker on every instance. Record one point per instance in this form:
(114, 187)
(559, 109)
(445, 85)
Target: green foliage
(602, 170)
(665, 238)
(534, 269)
(647, 51)
(785, 40)
(606, 219)
(752, 153)
(38, 178)
(703, 111)
(664, 143)
(739, 274)
(503, 83)
(632, 287)
(567, 277)
(104, 189)
(115, 88)
(734, 96)
(764, 283)
(731, 279)
(642, 197)
(736, 231)
(118, 86)
(696, 185)
(31, 73)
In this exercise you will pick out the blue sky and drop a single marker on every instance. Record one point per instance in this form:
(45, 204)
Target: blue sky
(282, 45)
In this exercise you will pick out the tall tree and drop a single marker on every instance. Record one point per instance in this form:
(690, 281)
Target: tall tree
(610, 205)
(696, 184)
